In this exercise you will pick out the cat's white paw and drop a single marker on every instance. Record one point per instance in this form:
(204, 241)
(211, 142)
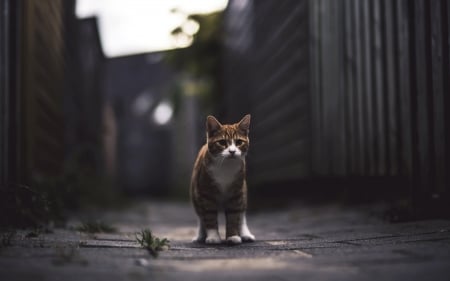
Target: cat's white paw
(213, 240)
(248, 237)
(234, 239)
(213, 237)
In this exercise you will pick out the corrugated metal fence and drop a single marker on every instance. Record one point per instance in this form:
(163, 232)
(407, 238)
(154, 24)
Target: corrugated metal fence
(347, 88)
(380, 91)
(267, 74)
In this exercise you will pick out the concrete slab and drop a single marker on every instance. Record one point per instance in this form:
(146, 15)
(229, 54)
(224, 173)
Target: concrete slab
(318, 243)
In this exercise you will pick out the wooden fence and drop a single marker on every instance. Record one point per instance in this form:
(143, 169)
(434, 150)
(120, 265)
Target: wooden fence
(31, 93)
(49, 89)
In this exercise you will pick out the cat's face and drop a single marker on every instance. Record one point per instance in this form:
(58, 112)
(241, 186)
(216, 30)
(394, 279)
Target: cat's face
(228, 141)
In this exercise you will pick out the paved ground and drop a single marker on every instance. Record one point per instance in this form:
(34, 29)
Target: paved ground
(298, 243)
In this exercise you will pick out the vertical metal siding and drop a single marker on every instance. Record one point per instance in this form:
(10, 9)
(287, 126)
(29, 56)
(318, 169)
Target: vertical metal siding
(9, 86)
(395, 72)
(5, 19)
(351, 89)
(280, 128)
(265, 68)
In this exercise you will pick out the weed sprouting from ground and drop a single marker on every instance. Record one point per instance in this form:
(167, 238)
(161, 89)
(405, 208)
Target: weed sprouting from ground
(96, 227)
(152, 243)
(38, 231)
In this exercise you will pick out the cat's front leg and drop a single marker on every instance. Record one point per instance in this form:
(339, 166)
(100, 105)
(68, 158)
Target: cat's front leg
(209, 220)
(201, 233)
(245, 233)
(233, 222)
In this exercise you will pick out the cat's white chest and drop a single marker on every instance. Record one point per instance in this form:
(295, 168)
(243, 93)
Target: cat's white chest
(224, 173)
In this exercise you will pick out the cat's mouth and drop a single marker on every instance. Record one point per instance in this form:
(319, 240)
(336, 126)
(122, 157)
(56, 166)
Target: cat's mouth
(228, 156)
(233, 157)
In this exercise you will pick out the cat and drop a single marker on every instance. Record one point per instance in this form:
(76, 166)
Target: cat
(218, 182)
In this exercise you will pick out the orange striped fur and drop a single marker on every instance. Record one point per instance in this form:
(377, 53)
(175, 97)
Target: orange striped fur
(218, 182)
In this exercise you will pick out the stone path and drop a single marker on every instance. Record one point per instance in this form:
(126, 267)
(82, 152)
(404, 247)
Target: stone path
(298, 243)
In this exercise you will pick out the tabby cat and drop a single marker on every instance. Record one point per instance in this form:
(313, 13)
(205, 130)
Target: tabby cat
(218, 182)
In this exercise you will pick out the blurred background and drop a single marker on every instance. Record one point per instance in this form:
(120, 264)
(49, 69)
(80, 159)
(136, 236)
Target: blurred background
(106, 99)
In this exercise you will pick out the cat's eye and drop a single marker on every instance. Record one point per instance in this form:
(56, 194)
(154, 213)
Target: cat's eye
(222, 142)
(239, 142)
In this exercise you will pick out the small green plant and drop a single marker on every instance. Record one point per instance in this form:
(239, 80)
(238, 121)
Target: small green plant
(152, 243)
(96, 227)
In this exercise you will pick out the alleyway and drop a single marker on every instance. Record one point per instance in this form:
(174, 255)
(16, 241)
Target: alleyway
(297, 243)
(349, 102)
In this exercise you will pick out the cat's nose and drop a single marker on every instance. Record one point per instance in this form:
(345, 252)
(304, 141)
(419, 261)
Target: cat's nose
(232, 152)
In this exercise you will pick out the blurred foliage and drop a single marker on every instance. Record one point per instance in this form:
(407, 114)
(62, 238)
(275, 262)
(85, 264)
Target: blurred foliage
(199, 64)
(23, 206)
(6, 238)
(47, 199)
(201, 58)
(38, 231)
(96, 227)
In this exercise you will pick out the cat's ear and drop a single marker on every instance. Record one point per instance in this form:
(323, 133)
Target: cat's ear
(244, 124)
(212, 125)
